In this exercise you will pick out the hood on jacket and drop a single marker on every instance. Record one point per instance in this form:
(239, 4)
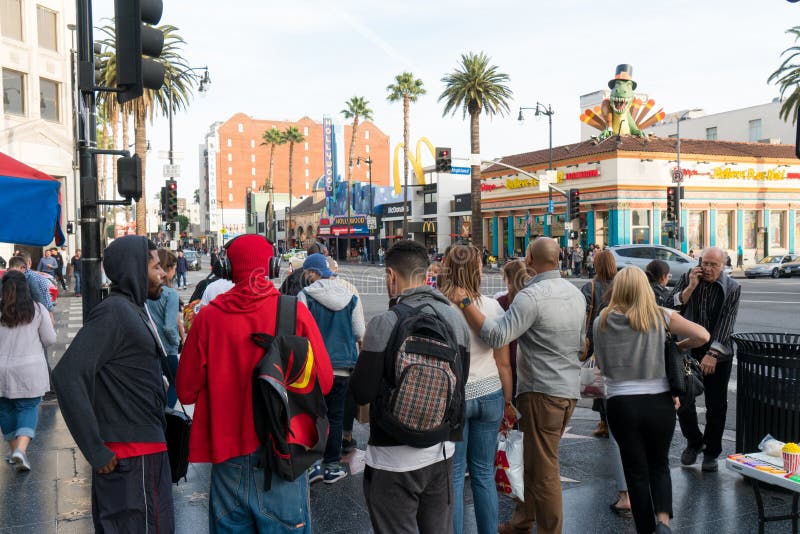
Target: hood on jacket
(416, 295)
(246, 297)
(125, 262)
(330, 292)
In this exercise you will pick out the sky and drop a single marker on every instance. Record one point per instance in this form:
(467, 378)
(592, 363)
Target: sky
(284, 60)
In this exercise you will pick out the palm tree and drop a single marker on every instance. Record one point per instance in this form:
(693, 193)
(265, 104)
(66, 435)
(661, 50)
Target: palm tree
(408, 89)
(272, 138)
(292, 135)
(787, 76)
(475, 86)
(357, 109)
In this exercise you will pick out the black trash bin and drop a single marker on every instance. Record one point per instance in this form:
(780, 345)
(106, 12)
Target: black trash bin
(768, 388)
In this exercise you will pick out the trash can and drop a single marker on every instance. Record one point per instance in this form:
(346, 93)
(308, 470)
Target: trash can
(768, 388)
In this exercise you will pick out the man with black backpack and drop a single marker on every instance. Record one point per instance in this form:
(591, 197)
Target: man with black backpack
(412, 369)
(255, 486)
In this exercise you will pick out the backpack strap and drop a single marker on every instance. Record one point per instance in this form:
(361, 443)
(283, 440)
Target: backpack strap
(286, 322)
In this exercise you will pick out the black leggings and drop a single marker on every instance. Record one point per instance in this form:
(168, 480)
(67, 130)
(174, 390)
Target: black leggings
(349, 411)
(643, 426)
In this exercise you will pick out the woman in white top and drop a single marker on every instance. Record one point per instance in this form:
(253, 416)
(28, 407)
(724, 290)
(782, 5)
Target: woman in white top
(489, 389)
(25, 331)
(629, 338)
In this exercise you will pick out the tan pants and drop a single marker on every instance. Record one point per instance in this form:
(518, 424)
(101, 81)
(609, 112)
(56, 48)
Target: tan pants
(544, 419)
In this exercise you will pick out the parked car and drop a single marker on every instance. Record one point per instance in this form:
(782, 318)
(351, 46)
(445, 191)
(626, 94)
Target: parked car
(791, 269)
(774, 266)
(192, 260)
(640, 255)
(52, 286)
(292, 252)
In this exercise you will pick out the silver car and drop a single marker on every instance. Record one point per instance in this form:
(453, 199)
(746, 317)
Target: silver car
(640, 255)
(774, 266)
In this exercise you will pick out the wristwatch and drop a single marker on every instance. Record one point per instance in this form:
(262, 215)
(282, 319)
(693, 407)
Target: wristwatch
(464, 303)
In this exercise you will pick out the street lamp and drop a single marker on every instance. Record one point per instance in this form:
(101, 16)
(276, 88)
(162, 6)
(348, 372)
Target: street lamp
(368, 161)
(678, 177)
(541, 109)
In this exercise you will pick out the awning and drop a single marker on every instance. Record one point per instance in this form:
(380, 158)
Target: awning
(30, 202)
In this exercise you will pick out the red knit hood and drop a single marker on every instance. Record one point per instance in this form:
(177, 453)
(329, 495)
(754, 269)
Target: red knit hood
(247, 296)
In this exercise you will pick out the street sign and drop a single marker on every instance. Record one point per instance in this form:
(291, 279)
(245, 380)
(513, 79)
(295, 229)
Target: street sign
(550, 206)
(544, 183)
(372, 223)
(677, 176)
(460, 170)
(172, 171)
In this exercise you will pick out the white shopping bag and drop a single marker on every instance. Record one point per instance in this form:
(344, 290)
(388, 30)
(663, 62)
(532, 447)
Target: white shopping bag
(592, 384)
(516, 464)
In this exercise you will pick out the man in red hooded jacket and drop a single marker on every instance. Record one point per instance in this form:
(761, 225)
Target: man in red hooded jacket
(215, 374)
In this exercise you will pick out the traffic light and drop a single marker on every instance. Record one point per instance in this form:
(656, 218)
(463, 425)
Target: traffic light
(444, 160)
(574, 210)
(172, 200)
(134, 38)
(129, 177)
(163, 211)
(673, 202)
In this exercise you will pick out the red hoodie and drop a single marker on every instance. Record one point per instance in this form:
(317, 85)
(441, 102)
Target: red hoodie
(216, 367)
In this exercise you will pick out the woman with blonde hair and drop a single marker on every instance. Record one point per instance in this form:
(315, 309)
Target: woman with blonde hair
(488, 385)
(629, 337)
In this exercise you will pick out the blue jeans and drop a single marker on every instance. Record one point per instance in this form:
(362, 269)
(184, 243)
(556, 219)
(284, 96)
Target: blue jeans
(18, 417)
(481, 427)
(238, 502)
(335, 403)
(183, 276)
(77, 276)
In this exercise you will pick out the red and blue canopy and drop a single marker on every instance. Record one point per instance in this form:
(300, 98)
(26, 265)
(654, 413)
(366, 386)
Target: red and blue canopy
(30, 205)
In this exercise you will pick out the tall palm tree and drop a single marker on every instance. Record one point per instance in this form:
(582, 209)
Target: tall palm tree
(357, 109)
(408, 89)
(272, 138)
(787, 76)
(292, 135)
(475, 86)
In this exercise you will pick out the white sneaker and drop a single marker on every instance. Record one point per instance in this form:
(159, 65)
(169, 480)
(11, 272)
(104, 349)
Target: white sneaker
(20, 461)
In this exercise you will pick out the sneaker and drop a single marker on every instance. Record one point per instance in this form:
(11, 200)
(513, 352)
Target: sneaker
(334, 473)
(689, 454)
(348, 446)
(20, 461)
(315, 474)
(602, 430)
(710, 464)
(661, 528)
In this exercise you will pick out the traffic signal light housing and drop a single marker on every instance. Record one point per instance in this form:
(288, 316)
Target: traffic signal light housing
(673, 202)
(135, 38)
(444, 159)
(129, 177)
(574, 206)
(163, 210)
(172, 200)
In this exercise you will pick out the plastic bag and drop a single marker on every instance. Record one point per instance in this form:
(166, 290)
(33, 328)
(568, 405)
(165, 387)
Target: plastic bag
(592, 385)
(771, 446)
(501, 469)
(516, 464)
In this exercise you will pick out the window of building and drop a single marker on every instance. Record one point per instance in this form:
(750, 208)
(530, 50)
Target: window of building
(366, 135)
(230, 171)
(48, 96)
(14, 92)
(749, 228)
(797, 232)
(230, 184)
(230, 156)
(366, 149)
(640, 226)
(252, 143)
(306, 173)
(754, 128)
(252, 158)
(305, 130)
(306, 146)
(306, 160)
(11, 19)
(253, 171)
(725, 230)
(696, 230)
(240, 127)
(230, 143)
(777, 229)
(253, 185)
(307, 186)
(711, 133)
(230, 197)
(601, 228)
(48, 32)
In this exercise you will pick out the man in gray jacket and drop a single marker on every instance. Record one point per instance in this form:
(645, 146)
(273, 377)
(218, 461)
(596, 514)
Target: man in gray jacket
(548, 319)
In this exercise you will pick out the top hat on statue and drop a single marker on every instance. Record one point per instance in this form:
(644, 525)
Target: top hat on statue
(624, 73)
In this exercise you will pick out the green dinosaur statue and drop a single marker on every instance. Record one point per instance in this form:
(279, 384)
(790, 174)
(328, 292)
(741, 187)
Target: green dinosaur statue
(619, 105)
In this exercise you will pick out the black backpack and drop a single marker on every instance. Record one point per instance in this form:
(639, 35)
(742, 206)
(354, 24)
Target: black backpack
(289, 409)
(421, 397)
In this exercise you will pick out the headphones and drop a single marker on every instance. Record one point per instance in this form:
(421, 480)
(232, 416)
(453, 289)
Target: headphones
(226, 269)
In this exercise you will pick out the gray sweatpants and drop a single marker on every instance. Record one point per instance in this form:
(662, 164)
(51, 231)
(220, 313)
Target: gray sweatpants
(402, 503)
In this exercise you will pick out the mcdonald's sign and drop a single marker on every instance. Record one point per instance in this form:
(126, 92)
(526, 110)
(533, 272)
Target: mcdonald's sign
(429, 227)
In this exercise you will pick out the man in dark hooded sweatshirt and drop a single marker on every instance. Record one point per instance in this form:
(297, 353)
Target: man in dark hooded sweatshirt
(112, 396)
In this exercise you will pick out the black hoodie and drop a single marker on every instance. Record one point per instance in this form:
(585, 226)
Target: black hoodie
(109, 381)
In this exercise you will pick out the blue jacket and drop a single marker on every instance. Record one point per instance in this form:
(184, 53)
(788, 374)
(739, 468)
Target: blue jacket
(164, 312)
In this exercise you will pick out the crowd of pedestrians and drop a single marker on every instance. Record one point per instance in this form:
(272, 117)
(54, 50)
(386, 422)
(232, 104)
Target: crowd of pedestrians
(445, 371)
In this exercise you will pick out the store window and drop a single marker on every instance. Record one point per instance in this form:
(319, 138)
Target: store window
(696, 230)
(601, 228)
(13, 92)
(724, 230)
(48, 96)
(711, 133)
(797, 232)
(777, 228)
(11, 19)
(490, 236)
(754, 129)
(640, 227)
(749, 228)
(48, 32)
